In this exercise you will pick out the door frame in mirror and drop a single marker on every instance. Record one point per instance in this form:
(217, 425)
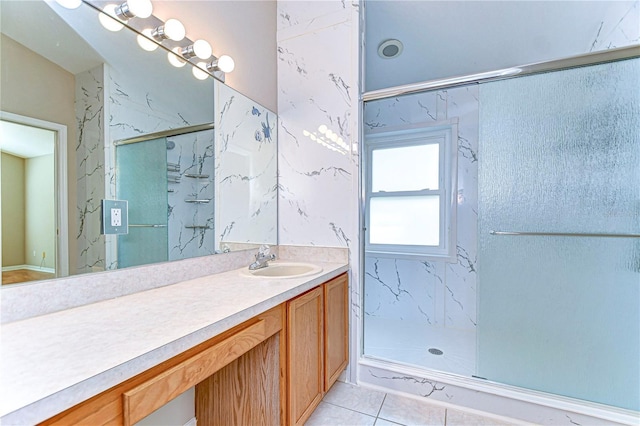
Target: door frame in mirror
(61, 202)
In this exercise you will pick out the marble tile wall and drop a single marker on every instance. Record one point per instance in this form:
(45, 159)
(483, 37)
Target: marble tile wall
(91, 117)
(193, 155)
(113, 105)
(435, 293)
(318, 90)
(245, 171)
(620, 27)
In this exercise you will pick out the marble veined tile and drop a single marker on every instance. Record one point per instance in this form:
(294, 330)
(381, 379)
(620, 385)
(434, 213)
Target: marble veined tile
(245, 170)
(316, 164)
(294, 13)
(90, 166)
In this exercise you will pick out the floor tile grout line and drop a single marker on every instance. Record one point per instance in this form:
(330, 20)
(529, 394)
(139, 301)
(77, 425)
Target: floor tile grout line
(380, 409)
(350, 409)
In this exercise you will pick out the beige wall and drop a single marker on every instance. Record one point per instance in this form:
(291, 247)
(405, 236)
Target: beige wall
(24, 77)
(13, 204)
(244, 30)
(40, 212)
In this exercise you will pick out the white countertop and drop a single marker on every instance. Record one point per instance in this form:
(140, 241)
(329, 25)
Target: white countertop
(52, 362)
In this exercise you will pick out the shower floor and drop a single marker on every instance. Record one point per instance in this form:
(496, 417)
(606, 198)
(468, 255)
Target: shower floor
(408, 343)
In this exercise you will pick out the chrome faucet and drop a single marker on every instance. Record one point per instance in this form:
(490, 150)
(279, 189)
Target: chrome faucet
(262, 258)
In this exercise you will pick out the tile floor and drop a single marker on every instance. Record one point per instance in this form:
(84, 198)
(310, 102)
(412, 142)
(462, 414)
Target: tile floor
(349, 405)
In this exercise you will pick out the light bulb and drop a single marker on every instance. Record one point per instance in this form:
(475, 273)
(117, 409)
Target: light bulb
(198, 71)
(334, 137)
(322, 128)
(202, 49)
(145, 43)
(174, 30)
(69, 4)
(108, 20)
(140, 8)
(174, 59)
(226, 63)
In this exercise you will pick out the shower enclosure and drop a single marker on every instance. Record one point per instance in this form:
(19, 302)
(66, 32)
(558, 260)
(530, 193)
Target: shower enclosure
(544, 290)
(168, 183)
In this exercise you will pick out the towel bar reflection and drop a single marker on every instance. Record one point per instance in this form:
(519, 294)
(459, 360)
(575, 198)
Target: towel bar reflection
(148, 226)
(563, 234)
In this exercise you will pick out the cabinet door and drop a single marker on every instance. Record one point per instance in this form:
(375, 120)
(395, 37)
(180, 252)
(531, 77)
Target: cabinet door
(305, 354)
(336, 331)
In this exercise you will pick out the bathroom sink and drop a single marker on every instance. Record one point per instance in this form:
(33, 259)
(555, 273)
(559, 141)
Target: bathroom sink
(284, 270)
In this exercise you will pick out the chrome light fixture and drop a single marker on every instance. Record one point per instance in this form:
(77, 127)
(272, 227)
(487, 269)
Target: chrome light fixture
(132, 8)
(170, 30)
(199, 48)
(224, 63)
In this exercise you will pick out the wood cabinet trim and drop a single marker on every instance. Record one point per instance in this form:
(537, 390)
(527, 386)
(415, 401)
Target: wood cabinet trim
(333, 372)
(299, 414)
(107, 408)
(144, 399)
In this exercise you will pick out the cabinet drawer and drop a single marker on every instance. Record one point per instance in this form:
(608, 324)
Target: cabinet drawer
(154, 393)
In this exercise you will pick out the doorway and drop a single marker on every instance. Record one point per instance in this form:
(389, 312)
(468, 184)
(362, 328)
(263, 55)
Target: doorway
(33, 199)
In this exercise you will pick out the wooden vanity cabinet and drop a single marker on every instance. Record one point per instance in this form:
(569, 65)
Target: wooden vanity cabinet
(317, 346)
(272, 369)
(252, 352)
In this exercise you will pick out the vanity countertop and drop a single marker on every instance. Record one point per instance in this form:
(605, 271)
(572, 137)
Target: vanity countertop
(52, 362)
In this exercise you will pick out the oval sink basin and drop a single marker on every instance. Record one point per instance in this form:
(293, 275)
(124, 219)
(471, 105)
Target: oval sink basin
(284, 270)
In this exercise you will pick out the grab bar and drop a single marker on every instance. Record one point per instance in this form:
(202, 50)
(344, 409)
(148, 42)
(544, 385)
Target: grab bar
(564, 234)
(148, 226)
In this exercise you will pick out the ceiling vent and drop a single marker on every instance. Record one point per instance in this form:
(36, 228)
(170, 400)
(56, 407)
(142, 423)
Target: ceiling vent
(389, 49)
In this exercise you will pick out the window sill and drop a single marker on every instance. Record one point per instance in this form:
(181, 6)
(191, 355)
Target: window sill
(418, 257)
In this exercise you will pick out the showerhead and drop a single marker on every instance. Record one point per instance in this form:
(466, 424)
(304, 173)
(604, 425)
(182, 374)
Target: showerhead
(171, 145)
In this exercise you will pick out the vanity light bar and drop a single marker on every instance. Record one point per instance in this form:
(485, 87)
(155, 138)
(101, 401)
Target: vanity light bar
(150, 38)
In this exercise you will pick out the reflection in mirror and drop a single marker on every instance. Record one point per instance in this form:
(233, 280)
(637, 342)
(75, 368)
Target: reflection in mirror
(140, 130)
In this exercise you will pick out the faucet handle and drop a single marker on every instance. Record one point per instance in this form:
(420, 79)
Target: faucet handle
(263, 251)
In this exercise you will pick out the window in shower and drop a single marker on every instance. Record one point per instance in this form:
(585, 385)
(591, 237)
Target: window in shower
(409, 185)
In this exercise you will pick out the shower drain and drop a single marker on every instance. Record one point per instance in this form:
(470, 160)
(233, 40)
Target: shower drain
(435, 351)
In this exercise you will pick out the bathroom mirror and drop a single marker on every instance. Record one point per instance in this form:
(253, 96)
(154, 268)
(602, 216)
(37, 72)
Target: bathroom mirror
(194, 159)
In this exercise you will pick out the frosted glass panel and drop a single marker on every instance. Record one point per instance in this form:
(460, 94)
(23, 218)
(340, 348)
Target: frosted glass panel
(141, 179)
(405, 220)
(410, 168)
(560, 152)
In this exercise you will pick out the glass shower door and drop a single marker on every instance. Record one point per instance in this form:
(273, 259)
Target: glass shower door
(559, 306)
(141, 179)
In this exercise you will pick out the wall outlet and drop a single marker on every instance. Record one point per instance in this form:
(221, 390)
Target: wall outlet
(116, 217)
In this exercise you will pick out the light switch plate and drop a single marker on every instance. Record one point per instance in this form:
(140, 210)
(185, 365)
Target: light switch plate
(115, 217)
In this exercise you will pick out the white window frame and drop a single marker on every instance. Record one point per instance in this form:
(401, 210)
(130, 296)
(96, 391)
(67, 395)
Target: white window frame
(445, 134)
